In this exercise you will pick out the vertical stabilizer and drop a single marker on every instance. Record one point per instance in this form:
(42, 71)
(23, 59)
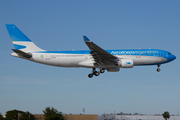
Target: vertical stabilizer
(20, 40)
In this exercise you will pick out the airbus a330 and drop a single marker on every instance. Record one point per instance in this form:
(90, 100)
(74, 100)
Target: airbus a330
(96, 58)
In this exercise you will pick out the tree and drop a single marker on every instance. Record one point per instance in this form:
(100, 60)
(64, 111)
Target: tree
(166, 115)
(52, 114)
(13, 114)
(1, 117)
(26, 116)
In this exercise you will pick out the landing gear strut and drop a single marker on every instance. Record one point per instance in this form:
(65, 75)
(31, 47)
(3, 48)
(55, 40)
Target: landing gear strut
(158, 69)
(96, 73)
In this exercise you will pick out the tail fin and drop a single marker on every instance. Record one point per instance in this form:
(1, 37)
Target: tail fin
(20, 40)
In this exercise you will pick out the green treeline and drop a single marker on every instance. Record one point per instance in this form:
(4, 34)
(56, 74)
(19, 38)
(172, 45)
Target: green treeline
(49, 114)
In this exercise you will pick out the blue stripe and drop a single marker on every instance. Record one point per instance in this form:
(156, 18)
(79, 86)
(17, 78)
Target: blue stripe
(137, 52)
(19, 46)
(66, 52)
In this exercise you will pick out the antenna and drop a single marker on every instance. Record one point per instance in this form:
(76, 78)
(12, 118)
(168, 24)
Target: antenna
(83, 111)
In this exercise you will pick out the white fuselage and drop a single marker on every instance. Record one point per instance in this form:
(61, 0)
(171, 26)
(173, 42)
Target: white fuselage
(86, 60)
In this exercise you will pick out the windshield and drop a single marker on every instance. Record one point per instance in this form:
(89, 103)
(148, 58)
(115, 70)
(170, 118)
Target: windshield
(169, 54)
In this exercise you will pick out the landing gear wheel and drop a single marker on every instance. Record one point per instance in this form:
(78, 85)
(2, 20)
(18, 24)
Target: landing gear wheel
(96, 73)
(158, 70)
(90, 75)
(102, 70)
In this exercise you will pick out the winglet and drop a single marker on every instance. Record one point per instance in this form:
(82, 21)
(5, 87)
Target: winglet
(86, 39)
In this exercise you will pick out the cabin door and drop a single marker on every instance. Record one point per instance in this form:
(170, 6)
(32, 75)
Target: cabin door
(48, 56)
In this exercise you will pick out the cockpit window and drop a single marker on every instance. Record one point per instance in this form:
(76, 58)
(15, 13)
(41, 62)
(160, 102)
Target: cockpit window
(169, 53)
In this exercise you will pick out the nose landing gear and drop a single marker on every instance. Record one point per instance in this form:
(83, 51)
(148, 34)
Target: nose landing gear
(158, 69)
(96, 73)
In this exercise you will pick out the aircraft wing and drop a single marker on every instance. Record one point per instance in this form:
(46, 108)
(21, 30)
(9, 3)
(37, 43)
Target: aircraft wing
(99, 54)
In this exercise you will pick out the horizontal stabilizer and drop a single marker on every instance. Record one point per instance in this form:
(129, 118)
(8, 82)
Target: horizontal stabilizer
(23, 54)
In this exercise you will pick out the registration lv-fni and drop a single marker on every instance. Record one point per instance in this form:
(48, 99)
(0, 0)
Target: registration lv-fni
(96, 58)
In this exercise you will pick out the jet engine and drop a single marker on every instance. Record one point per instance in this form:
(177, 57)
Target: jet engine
(125, 63)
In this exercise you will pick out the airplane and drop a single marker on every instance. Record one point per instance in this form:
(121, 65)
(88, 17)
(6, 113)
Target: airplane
(96, 58)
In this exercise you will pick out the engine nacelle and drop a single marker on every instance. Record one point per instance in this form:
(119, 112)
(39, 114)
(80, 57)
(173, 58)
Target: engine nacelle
(113, 69)
(127, 63)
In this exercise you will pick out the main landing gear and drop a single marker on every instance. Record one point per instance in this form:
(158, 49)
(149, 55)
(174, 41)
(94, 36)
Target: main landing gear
(96, 73)
(158, 69)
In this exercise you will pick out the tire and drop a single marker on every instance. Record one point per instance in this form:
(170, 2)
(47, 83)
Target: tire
(158, 70)
(102, 71)
(90, 75)
(96, 73)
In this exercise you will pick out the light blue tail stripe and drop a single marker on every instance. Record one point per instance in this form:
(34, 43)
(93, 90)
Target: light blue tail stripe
(19, 46)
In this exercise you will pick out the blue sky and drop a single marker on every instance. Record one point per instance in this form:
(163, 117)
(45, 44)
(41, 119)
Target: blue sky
(117, 24)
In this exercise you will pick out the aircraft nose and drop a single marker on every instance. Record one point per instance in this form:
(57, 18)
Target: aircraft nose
(172, 57)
